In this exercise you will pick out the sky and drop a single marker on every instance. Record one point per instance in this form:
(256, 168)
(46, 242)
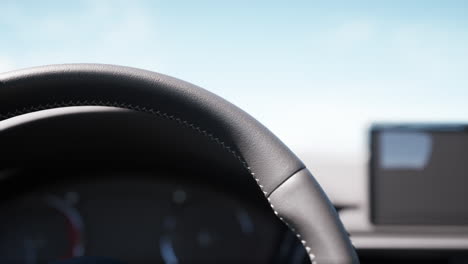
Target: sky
(317, 73)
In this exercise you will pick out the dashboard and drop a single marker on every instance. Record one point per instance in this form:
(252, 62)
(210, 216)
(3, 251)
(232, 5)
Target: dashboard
(136, 218)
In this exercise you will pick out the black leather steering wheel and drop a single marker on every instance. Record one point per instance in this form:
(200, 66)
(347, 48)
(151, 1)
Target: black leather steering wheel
(295, 196)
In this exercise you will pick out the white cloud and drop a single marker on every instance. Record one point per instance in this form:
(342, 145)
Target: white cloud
(350, 34)
(92, 31)
(355, 32)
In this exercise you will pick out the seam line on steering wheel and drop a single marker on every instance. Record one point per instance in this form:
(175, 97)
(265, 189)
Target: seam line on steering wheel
(180, 121)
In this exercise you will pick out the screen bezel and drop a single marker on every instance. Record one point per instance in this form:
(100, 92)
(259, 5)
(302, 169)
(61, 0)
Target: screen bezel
(374, 131)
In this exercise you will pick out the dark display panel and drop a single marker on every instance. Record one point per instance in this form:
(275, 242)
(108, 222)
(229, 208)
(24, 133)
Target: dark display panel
(419, 175)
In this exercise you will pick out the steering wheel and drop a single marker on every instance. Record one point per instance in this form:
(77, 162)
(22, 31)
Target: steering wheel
(293, 193)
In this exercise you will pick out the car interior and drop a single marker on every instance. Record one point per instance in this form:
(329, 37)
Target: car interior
(122, 164)
(187, 132)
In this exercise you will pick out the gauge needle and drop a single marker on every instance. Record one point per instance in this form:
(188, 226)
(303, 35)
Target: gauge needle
(167, 250)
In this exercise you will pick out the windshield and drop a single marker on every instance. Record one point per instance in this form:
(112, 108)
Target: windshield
(317, 73)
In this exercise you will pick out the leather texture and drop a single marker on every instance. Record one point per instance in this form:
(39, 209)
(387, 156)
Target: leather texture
(292, 192)
(293, 197)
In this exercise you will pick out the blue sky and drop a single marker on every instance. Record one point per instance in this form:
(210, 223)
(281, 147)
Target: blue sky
(316, 72)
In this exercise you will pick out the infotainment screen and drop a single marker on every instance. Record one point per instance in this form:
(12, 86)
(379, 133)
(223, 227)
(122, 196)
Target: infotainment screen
(419, 174)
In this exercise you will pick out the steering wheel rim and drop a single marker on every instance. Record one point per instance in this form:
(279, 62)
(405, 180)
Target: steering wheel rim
(294, 195)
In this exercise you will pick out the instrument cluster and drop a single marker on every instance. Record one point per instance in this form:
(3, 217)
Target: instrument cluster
(138, 220)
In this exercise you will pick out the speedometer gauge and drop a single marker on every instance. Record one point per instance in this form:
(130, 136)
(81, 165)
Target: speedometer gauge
(205, 230)
(39, 229)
